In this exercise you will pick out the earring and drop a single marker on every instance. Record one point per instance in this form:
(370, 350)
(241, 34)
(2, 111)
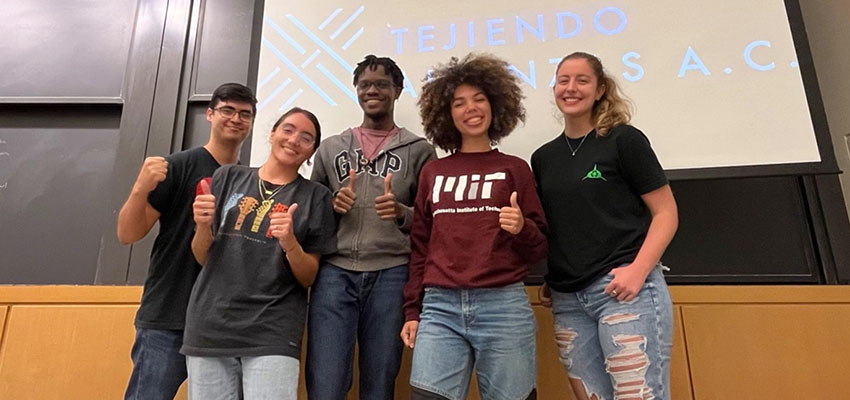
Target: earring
(309, 163)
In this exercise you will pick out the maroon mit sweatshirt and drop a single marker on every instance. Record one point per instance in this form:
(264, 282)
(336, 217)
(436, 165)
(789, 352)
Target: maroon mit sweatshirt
(456, 238)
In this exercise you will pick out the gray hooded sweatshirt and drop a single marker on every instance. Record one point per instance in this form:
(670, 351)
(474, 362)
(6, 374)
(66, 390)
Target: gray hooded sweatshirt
(365, 242)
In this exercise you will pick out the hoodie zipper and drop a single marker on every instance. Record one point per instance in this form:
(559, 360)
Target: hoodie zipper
(355, 251)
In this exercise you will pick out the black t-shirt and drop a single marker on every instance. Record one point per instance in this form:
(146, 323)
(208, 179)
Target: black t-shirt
(247, 302)
(173, 268)
(597, 219)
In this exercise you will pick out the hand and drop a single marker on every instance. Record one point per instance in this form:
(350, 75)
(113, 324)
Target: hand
(544, 293)
(152, 173)
(281, 226)
(627, 282)
(344, 199)
(203, 208)
(511, 217)
(408, 333)
(385, 205)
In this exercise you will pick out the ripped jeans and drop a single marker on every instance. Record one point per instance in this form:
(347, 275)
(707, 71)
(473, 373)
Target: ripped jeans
(612, 349)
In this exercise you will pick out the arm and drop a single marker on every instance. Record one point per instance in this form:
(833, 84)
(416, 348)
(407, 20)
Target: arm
(137, 216)
(524, 218)
(304, 265)
(420, 236)
(201, 244)
(405, 221)
(203, 211)
(665, 220)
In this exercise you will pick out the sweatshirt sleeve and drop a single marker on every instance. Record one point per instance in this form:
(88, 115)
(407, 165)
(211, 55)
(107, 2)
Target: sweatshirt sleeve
(426, 153)
(531, 240)
(420, 236)
(319, 174)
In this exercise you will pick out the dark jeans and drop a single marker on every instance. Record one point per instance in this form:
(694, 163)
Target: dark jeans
(158, 366)
(346, 306)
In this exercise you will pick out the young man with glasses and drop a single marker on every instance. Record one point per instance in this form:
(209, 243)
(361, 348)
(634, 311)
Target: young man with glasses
(164, 191)
(373, 171)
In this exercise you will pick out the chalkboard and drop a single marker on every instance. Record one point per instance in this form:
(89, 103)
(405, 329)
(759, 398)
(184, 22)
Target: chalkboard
(75, 50)
(752, 230)
(55, 167)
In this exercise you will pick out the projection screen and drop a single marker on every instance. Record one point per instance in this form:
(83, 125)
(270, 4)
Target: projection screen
(715, 84)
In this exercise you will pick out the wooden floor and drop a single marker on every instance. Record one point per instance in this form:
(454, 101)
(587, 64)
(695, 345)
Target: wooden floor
(730, 342)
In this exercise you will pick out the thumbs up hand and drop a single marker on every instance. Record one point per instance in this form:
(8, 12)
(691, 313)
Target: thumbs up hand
(281, 227)
(344, 199)
(203, 208)
(511, 218)
(386, 205)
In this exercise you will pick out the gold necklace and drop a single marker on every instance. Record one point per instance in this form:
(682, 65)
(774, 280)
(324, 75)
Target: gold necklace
(267, 194)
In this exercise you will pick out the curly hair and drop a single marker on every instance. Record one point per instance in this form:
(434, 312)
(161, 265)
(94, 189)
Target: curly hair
(614, 108)
(484, 71)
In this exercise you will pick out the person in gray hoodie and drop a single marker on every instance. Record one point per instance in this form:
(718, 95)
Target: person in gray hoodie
(373, 172)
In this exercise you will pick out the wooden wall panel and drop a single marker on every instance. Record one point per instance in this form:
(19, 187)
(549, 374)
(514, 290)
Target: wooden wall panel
(776, 351)
(66, 352)
(680, 376)
(70, 342)
(3, 310)
(552, 382)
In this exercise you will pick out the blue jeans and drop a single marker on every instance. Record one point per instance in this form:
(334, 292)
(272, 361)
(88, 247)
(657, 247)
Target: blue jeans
(346, 306)
(615, 349)
(491, 330)
(158, 366)
(248, 378)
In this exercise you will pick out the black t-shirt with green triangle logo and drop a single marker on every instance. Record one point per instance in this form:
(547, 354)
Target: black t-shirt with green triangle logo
(597, 219)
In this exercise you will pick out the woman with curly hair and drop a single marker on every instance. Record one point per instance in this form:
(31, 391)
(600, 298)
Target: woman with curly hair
(477, 226)
(612, 215)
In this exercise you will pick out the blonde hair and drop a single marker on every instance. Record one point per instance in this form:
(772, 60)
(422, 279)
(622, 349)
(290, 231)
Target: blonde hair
(613, 108)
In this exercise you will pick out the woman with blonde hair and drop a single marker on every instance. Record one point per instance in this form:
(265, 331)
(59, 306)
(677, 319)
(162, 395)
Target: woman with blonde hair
(611, 215)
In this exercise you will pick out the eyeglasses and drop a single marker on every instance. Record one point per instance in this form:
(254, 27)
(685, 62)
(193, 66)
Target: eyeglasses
(380, 85)
(229, 112)
(304, 138)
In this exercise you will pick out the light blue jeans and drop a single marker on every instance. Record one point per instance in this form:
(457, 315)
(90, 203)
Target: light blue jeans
(248, 378)
(613, 349)
(491, 330)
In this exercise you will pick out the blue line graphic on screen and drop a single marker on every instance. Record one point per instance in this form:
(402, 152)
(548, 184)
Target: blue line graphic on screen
(298, 72)
(353, 39)
(274, 94)
(329, 19)
(337, 82)
(268, 78)
(305, 65)
(347, 22)
(309, 60)
(284, 35)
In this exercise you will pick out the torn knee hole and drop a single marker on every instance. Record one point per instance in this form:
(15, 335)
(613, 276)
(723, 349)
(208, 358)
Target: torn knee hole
(628, 368)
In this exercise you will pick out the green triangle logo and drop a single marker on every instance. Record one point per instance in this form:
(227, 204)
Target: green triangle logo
(595, 173)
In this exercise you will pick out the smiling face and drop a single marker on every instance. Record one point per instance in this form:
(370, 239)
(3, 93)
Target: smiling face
(294, 140)
(234, 128)
(471, 113)
(577, 89)
(376, 93)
